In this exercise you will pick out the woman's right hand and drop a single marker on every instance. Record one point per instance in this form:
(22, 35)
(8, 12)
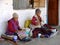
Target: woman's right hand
(17, 31)
(37, 24)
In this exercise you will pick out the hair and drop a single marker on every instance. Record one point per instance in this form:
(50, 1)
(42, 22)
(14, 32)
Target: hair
(15, 15)
(37, 10)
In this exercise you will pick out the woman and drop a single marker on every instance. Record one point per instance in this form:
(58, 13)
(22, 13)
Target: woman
(13, 25)
(44, 30)
(14, 29)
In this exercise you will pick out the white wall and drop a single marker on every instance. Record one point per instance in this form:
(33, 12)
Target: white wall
(6, 10)
(5, 13)
(59, 12)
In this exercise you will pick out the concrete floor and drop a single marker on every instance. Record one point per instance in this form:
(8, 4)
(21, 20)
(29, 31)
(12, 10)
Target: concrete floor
(42, 41)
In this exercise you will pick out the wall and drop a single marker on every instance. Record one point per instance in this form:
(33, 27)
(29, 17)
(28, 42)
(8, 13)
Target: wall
(5, 13)
(59, 12)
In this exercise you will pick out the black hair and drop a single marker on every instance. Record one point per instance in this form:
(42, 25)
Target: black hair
(37, 10)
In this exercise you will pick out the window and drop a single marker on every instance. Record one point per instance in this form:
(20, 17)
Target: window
(26, 4)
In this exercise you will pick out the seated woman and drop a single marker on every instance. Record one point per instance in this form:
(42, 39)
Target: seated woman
(43, 29)
(14, 28)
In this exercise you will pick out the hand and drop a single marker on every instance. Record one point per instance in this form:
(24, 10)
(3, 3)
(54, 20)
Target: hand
(23, 29)
(21, 37)
(17, 31)
(37, 24)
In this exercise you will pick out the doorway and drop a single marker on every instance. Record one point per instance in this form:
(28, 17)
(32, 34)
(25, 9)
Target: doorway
(53, 12)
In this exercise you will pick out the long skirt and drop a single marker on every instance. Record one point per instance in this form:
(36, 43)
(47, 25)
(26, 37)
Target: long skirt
(43, 31)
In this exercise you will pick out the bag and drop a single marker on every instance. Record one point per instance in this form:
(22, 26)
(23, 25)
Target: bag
(27, 23)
